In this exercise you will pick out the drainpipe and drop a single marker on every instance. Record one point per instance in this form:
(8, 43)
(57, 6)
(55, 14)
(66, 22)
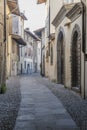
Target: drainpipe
(84, 36)
(41, 54)
(4, 20)
(49, 27)
(49, 17)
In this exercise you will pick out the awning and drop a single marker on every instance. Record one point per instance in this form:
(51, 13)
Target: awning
(41, 1)
(18, 39)
(13, 6)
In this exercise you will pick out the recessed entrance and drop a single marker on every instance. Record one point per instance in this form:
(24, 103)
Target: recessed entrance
(60, 58)
(76, 60)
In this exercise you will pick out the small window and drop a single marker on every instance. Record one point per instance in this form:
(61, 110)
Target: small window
(51, 56)
(21, 50)
(47, 56)
(86, 57)
(21, 30)
(25, 64)
(13, 46)
(27, 37)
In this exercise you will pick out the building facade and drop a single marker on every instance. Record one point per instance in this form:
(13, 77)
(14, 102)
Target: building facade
(28, 54)
(15, 36)
(66, 23)
(68, 39)
(41, 34)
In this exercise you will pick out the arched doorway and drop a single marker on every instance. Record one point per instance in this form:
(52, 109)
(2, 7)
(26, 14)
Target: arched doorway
(60, 58)
(76, 58)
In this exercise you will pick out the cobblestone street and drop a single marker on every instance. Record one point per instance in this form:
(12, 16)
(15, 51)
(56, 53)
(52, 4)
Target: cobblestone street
(40, 109)
(9, 104)
(43, 65)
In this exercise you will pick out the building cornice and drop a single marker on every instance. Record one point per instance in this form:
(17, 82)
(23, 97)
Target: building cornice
(18, 39)
(61, 14)
(32, 35)
(75, 12)
(14, 7)
(41, 1)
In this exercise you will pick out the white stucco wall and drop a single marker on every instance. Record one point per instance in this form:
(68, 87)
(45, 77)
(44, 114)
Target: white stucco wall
(56, 6)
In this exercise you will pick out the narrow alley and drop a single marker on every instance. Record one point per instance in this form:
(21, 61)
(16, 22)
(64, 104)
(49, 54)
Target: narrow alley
(40, 109)
(43, 65)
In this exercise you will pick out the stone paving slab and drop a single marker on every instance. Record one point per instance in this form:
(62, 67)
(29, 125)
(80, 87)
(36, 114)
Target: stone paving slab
(40, 109)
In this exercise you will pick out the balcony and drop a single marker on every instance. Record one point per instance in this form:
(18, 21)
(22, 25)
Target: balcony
(16, 28)
(19, 39)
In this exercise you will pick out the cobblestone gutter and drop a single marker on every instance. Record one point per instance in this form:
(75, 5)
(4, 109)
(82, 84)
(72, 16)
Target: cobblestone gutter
(9, 104)
(75, 105)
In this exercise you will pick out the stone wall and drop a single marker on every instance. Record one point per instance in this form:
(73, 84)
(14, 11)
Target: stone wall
(2, 44)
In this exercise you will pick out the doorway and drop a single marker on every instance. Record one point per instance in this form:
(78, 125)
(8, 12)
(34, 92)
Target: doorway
(60, 58)
(76, 60)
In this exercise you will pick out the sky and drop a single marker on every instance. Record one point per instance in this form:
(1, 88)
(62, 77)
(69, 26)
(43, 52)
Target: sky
(36, 14)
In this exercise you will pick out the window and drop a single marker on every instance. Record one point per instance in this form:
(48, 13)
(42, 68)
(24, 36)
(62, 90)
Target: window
(51, 56)
(27, 37)
(25, 52)
(25, 64)
(49, 49)
(31, 65)
(31, 43)
(21, 31)
(47, 56)
(17, 49)
(15, 24)
(38, 51)
(13, 46)
(13, 65)
(21, 50)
